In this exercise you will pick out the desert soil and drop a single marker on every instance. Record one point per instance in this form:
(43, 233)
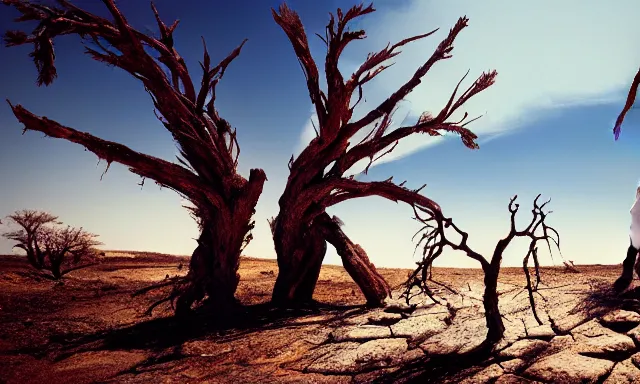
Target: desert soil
(89, 328)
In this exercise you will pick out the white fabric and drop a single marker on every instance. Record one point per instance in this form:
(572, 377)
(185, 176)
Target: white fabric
(635, 222)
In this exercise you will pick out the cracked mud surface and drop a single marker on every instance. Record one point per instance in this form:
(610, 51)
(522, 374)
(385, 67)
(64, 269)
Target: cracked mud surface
(90, 330)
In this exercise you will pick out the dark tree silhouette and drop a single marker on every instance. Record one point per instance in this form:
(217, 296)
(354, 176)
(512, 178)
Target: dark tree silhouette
(48, 245)
(223, 201)
(317, 177)
(30, 222)
(434, 241)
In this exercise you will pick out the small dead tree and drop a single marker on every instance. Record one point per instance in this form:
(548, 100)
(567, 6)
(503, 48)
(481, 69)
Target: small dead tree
(223, 201)
(48, 246)
(60, 243)
(434, 240)
(318, 177)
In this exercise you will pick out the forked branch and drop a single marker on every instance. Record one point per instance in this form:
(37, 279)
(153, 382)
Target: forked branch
(166, 174)
(334, 109)
(206, 141)
(434, 240)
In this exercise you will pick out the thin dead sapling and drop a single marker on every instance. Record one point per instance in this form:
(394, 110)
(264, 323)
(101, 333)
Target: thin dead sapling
(434, 240)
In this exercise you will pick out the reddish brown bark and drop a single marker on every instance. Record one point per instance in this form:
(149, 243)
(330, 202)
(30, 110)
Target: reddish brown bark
(319, 176)
(223, 201)
(297, 278)
(631, 98)
(356, 262)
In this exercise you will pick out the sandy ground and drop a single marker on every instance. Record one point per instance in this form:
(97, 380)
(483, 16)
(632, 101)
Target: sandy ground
(88, 328)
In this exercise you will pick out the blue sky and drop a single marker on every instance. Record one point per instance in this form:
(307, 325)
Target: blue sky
(563, 72)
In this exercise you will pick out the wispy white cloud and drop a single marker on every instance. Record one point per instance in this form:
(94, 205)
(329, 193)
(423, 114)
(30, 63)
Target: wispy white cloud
(549, 55)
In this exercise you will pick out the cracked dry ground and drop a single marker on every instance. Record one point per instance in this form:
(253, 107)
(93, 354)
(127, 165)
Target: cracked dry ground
(90, 329)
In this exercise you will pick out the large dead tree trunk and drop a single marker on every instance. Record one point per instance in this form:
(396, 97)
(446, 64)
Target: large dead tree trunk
(223, 201)
(319, 176)
(213, 269)
(304, 251)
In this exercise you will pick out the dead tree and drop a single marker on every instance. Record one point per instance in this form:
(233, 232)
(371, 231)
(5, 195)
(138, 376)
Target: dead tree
(434, 241)
(318, 176)
(31, 222)
(60, 243)
(223, 201)
(48, 246)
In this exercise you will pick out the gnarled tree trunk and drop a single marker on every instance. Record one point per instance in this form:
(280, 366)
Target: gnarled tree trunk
(300, 266)
(300, 255)
(213, 269)
(206, 175)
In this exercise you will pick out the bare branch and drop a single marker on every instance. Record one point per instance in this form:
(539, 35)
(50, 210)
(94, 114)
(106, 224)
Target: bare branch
(348, 189)
(291, 24)
(442, 52)
(631, 98)
(167, 174)
(201, 137)
(434, 239)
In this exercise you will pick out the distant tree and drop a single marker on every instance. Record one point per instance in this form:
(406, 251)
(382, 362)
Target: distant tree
(223, 201)
(318, 176)
(48, 246)
(31, 222)
(434, 241)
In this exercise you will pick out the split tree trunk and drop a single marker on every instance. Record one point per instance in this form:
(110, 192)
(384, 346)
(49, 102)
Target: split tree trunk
(300, 255)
